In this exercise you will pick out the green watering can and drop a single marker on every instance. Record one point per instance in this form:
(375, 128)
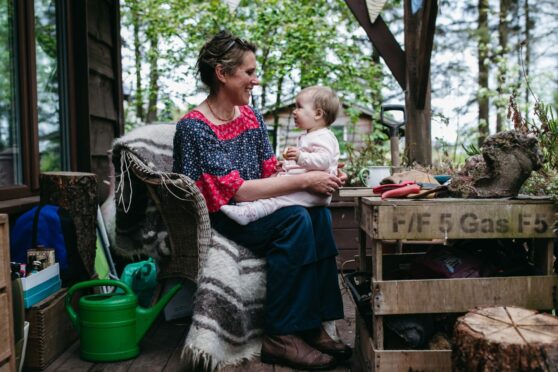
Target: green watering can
(111, 325)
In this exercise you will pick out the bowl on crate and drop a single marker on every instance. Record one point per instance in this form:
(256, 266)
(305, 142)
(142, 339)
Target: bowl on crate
(442, 178)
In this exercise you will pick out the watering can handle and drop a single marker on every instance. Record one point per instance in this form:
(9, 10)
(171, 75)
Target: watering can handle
(89, 284)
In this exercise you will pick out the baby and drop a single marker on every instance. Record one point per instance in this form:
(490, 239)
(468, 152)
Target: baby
(317, 149)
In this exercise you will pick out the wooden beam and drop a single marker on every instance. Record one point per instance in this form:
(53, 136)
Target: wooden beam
(411, 360)
(460, 295)
(426, 41)
(78, 13)
(418, 141)
(383, 40)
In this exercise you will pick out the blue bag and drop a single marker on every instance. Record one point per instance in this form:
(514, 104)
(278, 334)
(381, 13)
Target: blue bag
(49, 226)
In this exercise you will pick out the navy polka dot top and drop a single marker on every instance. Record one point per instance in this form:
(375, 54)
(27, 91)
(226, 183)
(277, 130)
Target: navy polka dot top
(220, 157)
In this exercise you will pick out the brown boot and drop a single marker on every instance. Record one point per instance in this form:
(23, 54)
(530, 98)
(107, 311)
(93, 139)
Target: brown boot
(319, 339)
(292, 351)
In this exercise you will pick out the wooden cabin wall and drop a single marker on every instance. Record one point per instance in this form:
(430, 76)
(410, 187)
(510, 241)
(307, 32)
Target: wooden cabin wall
(99, 103)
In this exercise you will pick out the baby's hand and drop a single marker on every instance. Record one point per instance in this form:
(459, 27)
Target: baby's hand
(291, 153)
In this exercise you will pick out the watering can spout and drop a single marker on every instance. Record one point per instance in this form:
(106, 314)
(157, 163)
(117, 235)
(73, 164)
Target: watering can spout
(146, 316)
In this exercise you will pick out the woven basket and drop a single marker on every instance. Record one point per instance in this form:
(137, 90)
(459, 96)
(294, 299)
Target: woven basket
(50, 331)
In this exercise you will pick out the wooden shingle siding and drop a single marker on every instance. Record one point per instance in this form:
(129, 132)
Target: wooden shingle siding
(100, 54)
(101, 98)
(104, 85)
(102, 135)
(100, 16)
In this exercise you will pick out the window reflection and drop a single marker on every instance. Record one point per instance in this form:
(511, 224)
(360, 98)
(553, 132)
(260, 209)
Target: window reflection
(48, 95)
(10, 158)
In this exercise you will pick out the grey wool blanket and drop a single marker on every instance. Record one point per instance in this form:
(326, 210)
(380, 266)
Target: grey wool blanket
(229, 302)
(227, 324)
(139, 229)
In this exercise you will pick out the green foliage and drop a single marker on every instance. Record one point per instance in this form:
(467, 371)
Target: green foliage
(300, 43)
(542, 183)
(544, 126)
(371, 154)
(7, 75)
(373, 151)
(471, 150)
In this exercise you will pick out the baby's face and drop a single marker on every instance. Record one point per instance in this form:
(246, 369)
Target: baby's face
(305, 116)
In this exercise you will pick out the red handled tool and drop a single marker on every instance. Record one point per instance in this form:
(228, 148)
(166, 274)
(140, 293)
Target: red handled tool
(391, 186)
(402, 192)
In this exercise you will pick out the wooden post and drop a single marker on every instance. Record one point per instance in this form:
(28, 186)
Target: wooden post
(505, 339)
(77, 193)
(419, 34)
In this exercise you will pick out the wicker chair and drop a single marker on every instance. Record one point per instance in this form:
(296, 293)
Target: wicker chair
(177, 200)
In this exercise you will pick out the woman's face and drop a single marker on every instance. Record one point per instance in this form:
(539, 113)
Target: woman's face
(238, 85)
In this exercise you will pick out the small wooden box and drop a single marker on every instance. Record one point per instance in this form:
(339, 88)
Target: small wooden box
(45, 255)
(51, 331)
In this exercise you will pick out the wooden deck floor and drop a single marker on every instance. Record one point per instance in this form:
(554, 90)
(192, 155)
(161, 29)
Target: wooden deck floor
(161, 348)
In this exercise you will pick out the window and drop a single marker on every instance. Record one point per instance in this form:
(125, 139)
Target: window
(33, 94)
(340, 131)
(10, 154)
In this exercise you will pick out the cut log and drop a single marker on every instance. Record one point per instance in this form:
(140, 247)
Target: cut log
(505, 339)
(77, 193)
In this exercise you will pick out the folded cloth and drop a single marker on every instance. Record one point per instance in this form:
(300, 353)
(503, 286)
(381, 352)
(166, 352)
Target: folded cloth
(412, 175)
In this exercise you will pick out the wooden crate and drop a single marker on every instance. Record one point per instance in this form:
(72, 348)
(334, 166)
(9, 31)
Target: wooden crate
(373, 359)
(50, 331)
(345, 230)
(442, 220)
(7, 348)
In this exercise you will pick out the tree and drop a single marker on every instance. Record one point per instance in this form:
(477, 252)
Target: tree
(300, 44)
(501, 63)
(308, 42)
(484, 66)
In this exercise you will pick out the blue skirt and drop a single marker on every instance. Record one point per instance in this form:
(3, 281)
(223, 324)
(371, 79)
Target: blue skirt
(302, 285)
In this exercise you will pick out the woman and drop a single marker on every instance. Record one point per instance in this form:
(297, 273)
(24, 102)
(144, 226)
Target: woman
(222, 144)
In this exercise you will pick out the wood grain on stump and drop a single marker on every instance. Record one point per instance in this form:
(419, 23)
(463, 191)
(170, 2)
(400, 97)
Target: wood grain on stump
(77, 193)
(505, 339)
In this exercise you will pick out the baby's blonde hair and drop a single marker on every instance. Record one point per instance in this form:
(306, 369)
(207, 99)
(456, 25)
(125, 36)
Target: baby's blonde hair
(325, 99)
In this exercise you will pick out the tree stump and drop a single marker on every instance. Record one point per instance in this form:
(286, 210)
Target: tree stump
(507, 160)
(77, 193)
(505, 339)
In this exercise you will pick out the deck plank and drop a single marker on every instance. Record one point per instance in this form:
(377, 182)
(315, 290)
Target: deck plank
(123, 366)
(73, 362)
(175, 362)
(58, 362)
(249, 365)
(159, 347)
(161, 350)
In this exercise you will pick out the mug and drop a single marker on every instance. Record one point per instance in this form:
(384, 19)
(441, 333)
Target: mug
(372, 175)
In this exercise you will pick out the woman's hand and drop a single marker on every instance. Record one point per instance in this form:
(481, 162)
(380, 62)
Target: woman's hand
(319, 182)
(279, 166)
